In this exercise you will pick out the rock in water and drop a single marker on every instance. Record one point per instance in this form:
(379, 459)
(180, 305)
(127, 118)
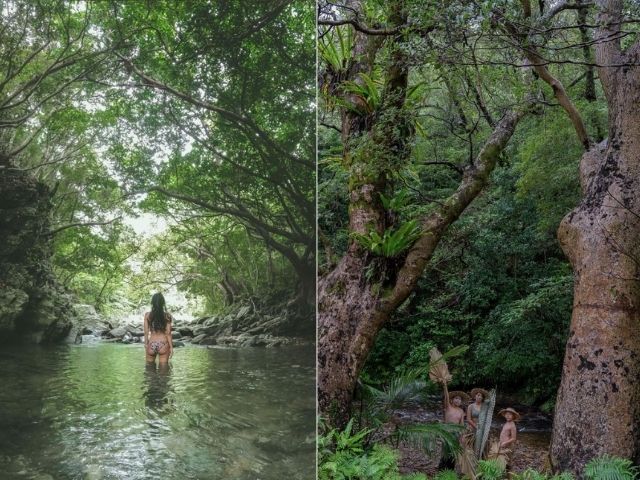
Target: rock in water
(118, 332)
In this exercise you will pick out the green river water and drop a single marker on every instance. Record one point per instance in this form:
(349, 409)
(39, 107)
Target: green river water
(96, 412)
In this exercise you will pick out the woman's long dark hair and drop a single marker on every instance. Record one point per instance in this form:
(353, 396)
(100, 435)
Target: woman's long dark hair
(158, 317)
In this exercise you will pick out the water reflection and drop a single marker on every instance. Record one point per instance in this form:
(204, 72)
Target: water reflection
(157, 388)
(96, 411)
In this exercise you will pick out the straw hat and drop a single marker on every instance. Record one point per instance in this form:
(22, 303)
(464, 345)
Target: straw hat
(516, 415)
(484, 393)
(458, 393)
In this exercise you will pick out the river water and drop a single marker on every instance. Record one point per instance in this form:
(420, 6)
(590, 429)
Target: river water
(96, 412)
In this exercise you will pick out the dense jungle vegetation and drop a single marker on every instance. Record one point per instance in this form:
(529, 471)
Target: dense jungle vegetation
(199, 114)
(477, 187)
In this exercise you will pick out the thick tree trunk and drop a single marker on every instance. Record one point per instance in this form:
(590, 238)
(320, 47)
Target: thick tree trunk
(347, 306)
(598, 405)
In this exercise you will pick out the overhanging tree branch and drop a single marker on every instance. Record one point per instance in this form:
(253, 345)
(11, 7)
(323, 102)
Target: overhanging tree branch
(233, 117)
(433, 226)
(361, 28)
(79, 224)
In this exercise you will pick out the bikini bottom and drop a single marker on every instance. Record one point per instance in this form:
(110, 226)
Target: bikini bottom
(156, 346)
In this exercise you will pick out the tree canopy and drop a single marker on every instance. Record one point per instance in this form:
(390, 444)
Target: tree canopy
(200, 113)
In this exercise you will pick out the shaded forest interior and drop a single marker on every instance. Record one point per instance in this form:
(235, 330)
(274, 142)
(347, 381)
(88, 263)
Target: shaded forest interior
(199, 117)
(477, 186)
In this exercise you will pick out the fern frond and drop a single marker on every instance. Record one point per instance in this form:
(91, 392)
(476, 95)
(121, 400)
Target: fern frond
(610, 468)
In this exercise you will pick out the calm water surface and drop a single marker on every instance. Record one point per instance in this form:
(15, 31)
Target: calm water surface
(95, 412)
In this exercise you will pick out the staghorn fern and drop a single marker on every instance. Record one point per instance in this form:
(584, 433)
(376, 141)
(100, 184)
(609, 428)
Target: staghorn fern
(392, 242)
(610, 468)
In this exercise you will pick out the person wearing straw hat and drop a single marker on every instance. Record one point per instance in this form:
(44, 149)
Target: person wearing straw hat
(452, 401)
(453, 413)
(509, 431)
(479, 395)
(500, 450)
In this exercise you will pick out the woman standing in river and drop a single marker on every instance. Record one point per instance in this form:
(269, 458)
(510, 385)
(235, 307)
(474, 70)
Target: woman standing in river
(157, 331)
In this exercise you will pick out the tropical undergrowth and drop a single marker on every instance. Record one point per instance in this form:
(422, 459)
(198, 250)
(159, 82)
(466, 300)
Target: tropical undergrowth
(605, 467)
(368, 445)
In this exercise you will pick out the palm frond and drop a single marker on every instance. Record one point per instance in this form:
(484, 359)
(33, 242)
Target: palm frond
(439, 358)
(402, 391)
(438, 369)
(428, 435)
(529, 474)
(563, 476)
(467, 462)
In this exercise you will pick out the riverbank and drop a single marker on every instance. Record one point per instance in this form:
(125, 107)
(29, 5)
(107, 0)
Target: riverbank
(244, 325)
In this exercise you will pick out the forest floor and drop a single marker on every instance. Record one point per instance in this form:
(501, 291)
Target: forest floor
(532, 445)
(530, 452)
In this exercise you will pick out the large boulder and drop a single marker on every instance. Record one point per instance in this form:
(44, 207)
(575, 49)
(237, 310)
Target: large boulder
(185, 331)
(118, 332)
(33, 305)
(87, 322)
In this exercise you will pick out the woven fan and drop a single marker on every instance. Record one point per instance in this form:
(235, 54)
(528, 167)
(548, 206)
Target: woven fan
(438, 370)
(484, 424)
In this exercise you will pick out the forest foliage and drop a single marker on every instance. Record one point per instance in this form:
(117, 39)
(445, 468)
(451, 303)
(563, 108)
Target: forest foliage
(198, 113)
(498, 281)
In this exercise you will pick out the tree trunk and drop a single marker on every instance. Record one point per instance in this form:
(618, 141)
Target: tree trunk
(589, 78)
(598, 404)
